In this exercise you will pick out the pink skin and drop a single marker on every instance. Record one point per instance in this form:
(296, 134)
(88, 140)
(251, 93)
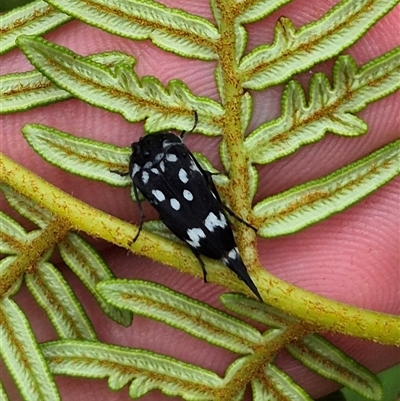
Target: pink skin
(352, 257)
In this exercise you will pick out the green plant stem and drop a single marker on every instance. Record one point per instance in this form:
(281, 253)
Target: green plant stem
(239, 187)
(323, 314)
(263, 356)
(31, 252)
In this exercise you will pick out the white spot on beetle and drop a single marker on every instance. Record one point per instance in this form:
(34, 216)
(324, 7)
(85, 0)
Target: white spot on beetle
(233, 253)
(158, 195)
(212, 221)
(225, 261)
(222, 219)
(148, 165)
(162, 166)
(159, 157)
(154, 171)
(166, 144)
(171, 157)
(183, 176)
(135, 169)
(187, 195)
(193, 166)
(145, 177)
(195, 234)
(175, 204)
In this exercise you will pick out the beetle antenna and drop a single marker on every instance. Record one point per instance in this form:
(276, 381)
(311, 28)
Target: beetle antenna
(196, 120)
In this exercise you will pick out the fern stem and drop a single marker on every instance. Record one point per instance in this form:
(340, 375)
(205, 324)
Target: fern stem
(31, 252)
(239, 184)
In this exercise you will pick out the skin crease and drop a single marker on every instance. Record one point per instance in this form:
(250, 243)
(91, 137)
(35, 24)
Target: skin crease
(352, 257)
